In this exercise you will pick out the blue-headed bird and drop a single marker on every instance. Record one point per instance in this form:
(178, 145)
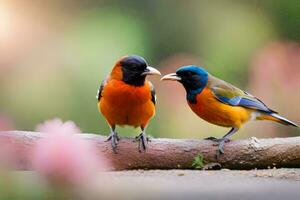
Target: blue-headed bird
(221, 103)
(127, 98)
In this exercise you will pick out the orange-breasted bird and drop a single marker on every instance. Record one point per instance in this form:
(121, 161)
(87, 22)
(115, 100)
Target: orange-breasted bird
(221, 103)
(125, 97)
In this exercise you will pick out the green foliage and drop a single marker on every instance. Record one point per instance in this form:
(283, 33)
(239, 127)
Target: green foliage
(198, 162)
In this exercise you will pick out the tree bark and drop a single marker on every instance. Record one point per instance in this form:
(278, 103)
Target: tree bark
(176, 153)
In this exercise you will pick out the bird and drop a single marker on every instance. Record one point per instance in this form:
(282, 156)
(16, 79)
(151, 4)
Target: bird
(125, 97)
(221, 103)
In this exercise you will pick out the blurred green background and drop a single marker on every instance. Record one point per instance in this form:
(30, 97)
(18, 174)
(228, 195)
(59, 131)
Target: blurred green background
(54, 54)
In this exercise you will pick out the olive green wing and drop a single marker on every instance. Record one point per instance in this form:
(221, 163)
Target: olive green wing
(231, 95)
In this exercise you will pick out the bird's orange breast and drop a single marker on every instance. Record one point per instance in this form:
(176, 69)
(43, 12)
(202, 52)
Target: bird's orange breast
(215, 112)
(123, 104)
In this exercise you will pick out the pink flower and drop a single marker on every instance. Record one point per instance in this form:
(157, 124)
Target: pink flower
(58, 126)
(62, 157)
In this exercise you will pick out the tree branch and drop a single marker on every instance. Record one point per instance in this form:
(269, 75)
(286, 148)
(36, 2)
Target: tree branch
(177, 153)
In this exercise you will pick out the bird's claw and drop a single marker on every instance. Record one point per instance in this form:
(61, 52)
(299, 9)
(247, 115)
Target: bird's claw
(220, 142)
(114, 138)
(221, 147)
(148, 138)
(217, 140)
(142, 139)
(137, 138)
(211, 138)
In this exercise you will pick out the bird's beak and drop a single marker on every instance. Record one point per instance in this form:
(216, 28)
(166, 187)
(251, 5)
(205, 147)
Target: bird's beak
(151, 71)
(171, 77)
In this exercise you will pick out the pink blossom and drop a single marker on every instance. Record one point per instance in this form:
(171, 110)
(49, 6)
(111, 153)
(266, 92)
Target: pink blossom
(62, 157)
(58, 126)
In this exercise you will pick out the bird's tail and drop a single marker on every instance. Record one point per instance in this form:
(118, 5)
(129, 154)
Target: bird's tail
(277, 118)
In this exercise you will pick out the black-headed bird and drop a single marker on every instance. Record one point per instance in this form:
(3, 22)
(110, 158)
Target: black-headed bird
(221, 103)
(125, 97)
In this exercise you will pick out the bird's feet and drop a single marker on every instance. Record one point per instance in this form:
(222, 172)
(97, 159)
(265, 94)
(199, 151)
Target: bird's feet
(114, 138)
(142, 139)
(220, 142)
(211, 138)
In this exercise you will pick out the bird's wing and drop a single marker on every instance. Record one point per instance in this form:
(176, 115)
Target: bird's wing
(231, 95)
(153, 94)
(99, 93)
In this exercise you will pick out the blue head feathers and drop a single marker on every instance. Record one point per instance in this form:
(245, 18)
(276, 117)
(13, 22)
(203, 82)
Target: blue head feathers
(194, 80)
(192, 68)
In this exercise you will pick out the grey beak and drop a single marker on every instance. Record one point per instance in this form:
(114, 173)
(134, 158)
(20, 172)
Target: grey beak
(171, 77)
(151, 71)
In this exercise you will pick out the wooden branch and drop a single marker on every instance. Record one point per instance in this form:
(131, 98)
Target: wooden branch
(177, 153)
